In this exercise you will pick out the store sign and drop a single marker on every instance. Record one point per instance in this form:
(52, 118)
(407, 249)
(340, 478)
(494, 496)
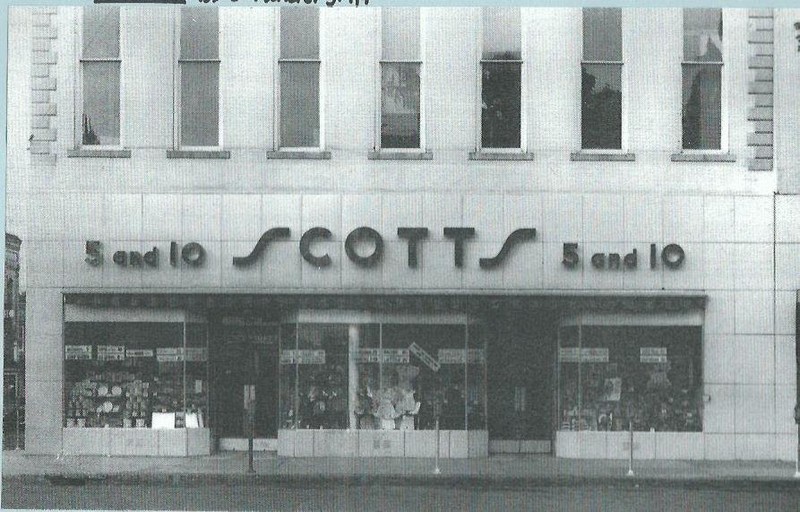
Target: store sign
(582, 355)
(461, 356)
(192, 254)
(77, 352)
(302, 357)
(653, 354)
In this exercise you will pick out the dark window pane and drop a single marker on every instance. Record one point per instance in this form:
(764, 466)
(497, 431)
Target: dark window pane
(199, 33)
(602, 34)
(601, 112)
(101, 32)
(501, 33)
(199, 104)
(100, 120)
(702, 35)
(702, 108)
(400, 33)
(299, 33)
(299, 104)
(500, 106)
(400, 115)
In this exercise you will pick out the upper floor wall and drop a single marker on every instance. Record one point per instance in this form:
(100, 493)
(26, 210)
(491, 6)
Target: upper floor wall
(450, 111)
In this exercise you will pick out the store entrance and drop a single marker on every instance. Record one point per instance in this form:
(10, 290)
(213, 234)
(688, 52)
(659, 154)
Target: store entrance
(244, 355)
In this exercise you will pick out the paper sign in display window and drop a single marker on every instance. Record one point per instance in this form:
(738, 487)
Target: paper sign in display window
(583, 355)
(77, 352)
(653, 355)
(302, 357)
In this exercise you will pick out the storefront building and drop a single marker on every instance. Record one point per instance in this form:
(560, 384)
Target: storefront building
(514, 237)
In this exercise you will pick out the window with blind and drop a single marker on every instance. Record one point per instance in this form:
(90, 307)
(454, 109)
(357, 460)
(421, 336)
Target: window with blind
(198, 65)
(601, 79)
(100, 77)
(299, 86)
(702, 79)
(501, 79)
(400, 79)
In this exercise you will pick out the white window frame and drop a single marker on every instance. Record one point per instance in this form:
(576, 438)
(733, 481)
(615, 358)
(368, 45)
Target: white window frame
(624, 90)
(379, 88)
(276, 131)
(78, 117)
(723, 94)
(176, 94)
(524, 101)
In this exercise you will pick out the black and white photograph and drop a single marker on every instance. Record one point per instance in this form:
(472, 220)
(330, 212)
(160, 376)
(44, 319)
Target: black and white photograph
(350, 256)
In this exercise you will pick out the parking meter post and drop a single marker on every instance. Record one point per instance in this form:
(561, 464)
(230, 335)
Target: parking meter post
(630, 452)
(437, 406)
(797, 453)
(249, 403)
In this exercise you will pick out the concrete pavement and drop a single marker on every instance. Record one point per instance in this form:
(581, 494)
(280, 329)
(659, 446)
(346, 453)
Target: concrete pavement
(512, 470)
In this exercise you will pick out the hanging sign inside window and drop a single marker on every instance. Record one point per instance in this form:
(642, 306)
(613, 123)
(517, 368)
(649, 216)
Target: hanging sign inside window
(461, 356)
(583, 355)
(169, 355)
(139, 352)
(385, 355)
(77, 352)
(302, 357)
(653, 354)
(425, 357)
(110, 352)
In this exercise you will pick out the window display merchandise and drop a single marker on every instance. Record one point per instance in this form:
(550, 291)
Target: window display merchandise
(135, 375)
(615, 377)
(382, 376)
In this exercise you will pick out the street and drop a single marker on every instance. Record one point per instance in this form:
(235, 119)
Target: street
(625, 496)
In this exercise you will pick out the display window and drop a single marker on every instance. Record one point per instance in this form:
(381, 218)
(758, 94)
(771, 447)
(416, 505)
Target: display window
(617, 377)
(382, 375)
(135, 375)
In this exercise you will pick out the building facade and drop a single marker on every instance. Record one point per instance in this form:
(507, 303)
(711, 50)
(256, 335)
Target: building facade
(355, 232)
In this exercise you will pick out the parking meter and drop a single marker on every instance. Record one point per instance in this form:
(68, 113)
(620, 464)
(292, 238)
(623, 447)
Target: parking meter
(249, 421)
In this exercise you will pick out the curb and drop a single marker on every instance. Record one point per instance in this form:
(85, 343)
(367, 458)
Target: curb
(398, 480)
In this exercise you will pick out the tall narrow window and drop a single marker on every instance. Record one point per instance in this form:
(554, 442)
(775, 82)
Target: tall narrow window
(702, 79)
(501, 78)
(199, 77)
(299, 78)
(601, 79)
(400, 78)
(100, 70)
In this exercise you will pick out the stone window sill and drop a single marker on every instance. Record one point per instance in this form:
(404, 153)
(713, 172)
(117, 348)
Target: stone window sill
(582, 156)
(489, 155)
(298, 155)
(703, 157)
(400, 155)
(198, 153)
(99, 153)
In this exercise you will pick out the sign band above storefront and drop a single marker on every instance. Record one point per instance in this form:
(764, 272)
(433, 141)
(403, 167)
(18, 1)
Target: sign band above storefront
(193, 254)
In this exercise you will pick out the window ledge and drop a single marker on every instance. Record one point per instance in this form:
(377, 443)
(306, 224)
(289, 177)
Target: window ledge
(703, 157)
(198, 153)
(582, 156)
(489, 155)
(400, 155)
(298, 155)
(99, 153)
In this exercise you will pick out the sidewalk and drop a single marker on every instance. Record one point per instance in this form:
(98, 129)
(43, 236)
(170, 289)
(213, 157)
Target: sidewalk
(496, 470)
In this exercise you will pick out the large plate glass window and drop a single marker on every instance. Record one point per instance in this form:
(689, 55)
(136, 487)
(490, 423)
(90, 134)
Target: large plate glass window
(100, 77)
(702, 79)
(136, 375)
(400, 120)
(614, 377)
(601, 79)
(199, 77)
(501, 78)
